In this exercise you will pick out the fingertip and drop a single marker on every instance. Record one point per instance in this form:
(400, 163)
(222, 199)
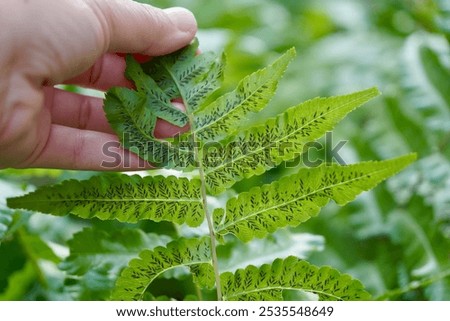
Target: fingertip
(141, 28)
(183, 19)
(179, 31)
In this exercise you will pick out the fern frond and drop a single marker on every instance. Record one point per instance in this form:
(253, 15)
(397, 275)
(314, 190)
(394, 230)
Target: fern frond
(121, 197)
(269, 281)
(141, 272)
(252, 94)
(296, 198)
(254, 151)
(223, 152)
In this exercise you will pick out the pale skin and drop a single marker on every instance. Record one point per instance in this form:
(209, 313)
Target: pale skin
(49, 42)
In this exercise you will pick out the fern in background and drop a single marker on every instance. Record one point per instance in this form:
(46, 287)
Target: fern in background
(218, 151)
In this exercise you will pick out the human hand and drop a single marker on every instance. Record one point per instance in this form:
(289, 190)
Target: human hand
(50, 42)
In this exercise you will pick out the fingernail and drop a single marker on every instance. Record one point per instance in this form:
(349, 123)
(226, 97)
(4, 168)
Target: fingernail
(182, 18)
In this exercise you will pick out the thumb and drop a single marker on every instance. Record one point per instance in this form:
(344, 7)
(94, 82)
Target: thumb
(140, 28)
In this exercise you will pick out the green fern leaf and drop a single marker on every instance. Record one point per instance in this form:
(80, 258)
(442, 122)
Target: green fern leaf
(141, 272)
(260, 148)
(296, 198)
(122, 197)
(252, 94)
(269, 281)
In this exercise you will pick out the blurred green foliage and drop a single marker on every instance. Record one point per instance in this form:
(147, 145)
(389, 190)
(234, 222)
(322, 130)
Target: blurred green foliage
(396, 239)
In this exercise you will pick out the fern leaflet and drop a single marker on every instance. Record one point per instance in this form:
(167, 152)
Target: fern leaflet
(296, 198)
(269, 281)
(121, 197)
(140, 273)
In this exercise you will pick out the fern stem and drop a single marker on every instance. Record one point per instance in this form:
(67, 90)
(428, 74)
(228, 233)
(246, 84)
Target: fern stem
(414, 285)
(212, 235)
(199, 293)
(198, 160)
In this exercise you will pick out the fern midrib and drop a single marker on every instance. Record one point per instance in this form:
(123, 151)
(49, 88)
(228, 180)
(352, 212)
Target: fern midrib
(214, 169)
(224, 227)
(253, 93)
(268, 288)
(105, 200)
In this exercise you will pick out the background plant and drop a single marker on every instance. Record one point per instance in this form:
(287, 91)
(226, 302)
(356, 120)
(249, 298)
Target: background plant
(390, 238)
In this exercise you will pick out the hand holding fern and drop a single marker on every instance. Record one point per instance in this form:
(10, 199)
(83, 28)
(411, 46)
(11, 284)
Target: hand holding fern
(73, 42)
